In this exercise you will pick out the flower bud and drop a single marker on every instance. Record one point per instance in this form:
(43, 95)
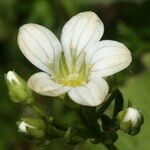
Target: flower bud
(18, 90)
(33, 127)
(130, 120)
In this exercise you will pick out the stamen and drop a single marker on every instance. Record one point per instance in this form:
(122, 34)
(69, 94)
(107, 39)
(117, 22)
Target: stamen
(77, 76)
(73, 76)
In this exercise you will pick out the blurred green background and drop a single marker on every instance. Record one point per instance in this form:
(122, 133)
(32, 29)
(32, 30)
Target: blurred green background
(127, 21)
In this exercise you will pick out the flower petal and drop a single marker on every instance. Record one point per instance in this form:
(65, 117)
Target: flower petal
(43, 84)
(92, 94)
(39, 45)
(107, 58)
(79, 32)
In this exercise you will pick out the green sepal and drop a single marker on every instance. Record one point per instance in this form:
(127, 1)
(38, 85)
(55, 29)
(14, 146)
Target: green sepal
(36, 122)
(36, 133)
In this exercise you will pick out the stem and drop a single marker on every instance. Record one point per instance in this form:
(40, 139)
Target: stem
(119, 102)
(53, 132)
(59, 124)
(111, 147)
(115, 81)
(105, 106)
(39, 111)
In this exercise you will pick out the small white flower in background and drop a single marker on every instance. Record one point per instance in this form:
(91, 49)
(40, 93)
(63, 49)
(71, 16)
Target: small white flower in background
(130, 120)
(132, 115)
(33, 127)
(23, 126)
(78, 64)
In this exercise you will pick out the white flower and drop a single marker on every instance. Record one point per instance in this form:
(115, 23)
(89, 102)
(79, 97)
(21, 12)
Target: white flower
(76, 65)
(132, 115)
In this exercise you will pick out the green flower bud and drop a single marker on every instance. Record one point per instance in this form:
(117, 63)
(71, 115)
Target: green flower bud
(18, 90)
(33, 127)
(130, 120)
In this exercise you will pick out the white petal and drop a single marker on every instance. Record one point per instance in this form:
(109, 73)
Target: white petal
(132, 115)
(107, 57)
(39, 45)
(11, 76)
(23, 125)
(44, 85)
(79, 32)
(92, 94)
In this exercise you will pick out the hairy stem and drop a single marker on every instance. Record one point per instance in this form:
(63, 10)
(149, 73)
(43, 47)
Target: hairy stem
(111, 147)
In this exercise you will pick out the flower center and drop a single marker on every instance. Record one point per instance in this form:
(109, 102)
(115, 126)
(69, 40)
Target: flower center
(75, 76)
(72, 80)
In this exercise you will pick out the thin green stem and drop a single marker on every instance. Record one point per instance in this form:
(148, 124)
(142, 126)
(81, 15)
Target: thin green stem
(111, 147)
(115, 81)
(105, 106)
(39, 111)
(53, 132)
(59, 124)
